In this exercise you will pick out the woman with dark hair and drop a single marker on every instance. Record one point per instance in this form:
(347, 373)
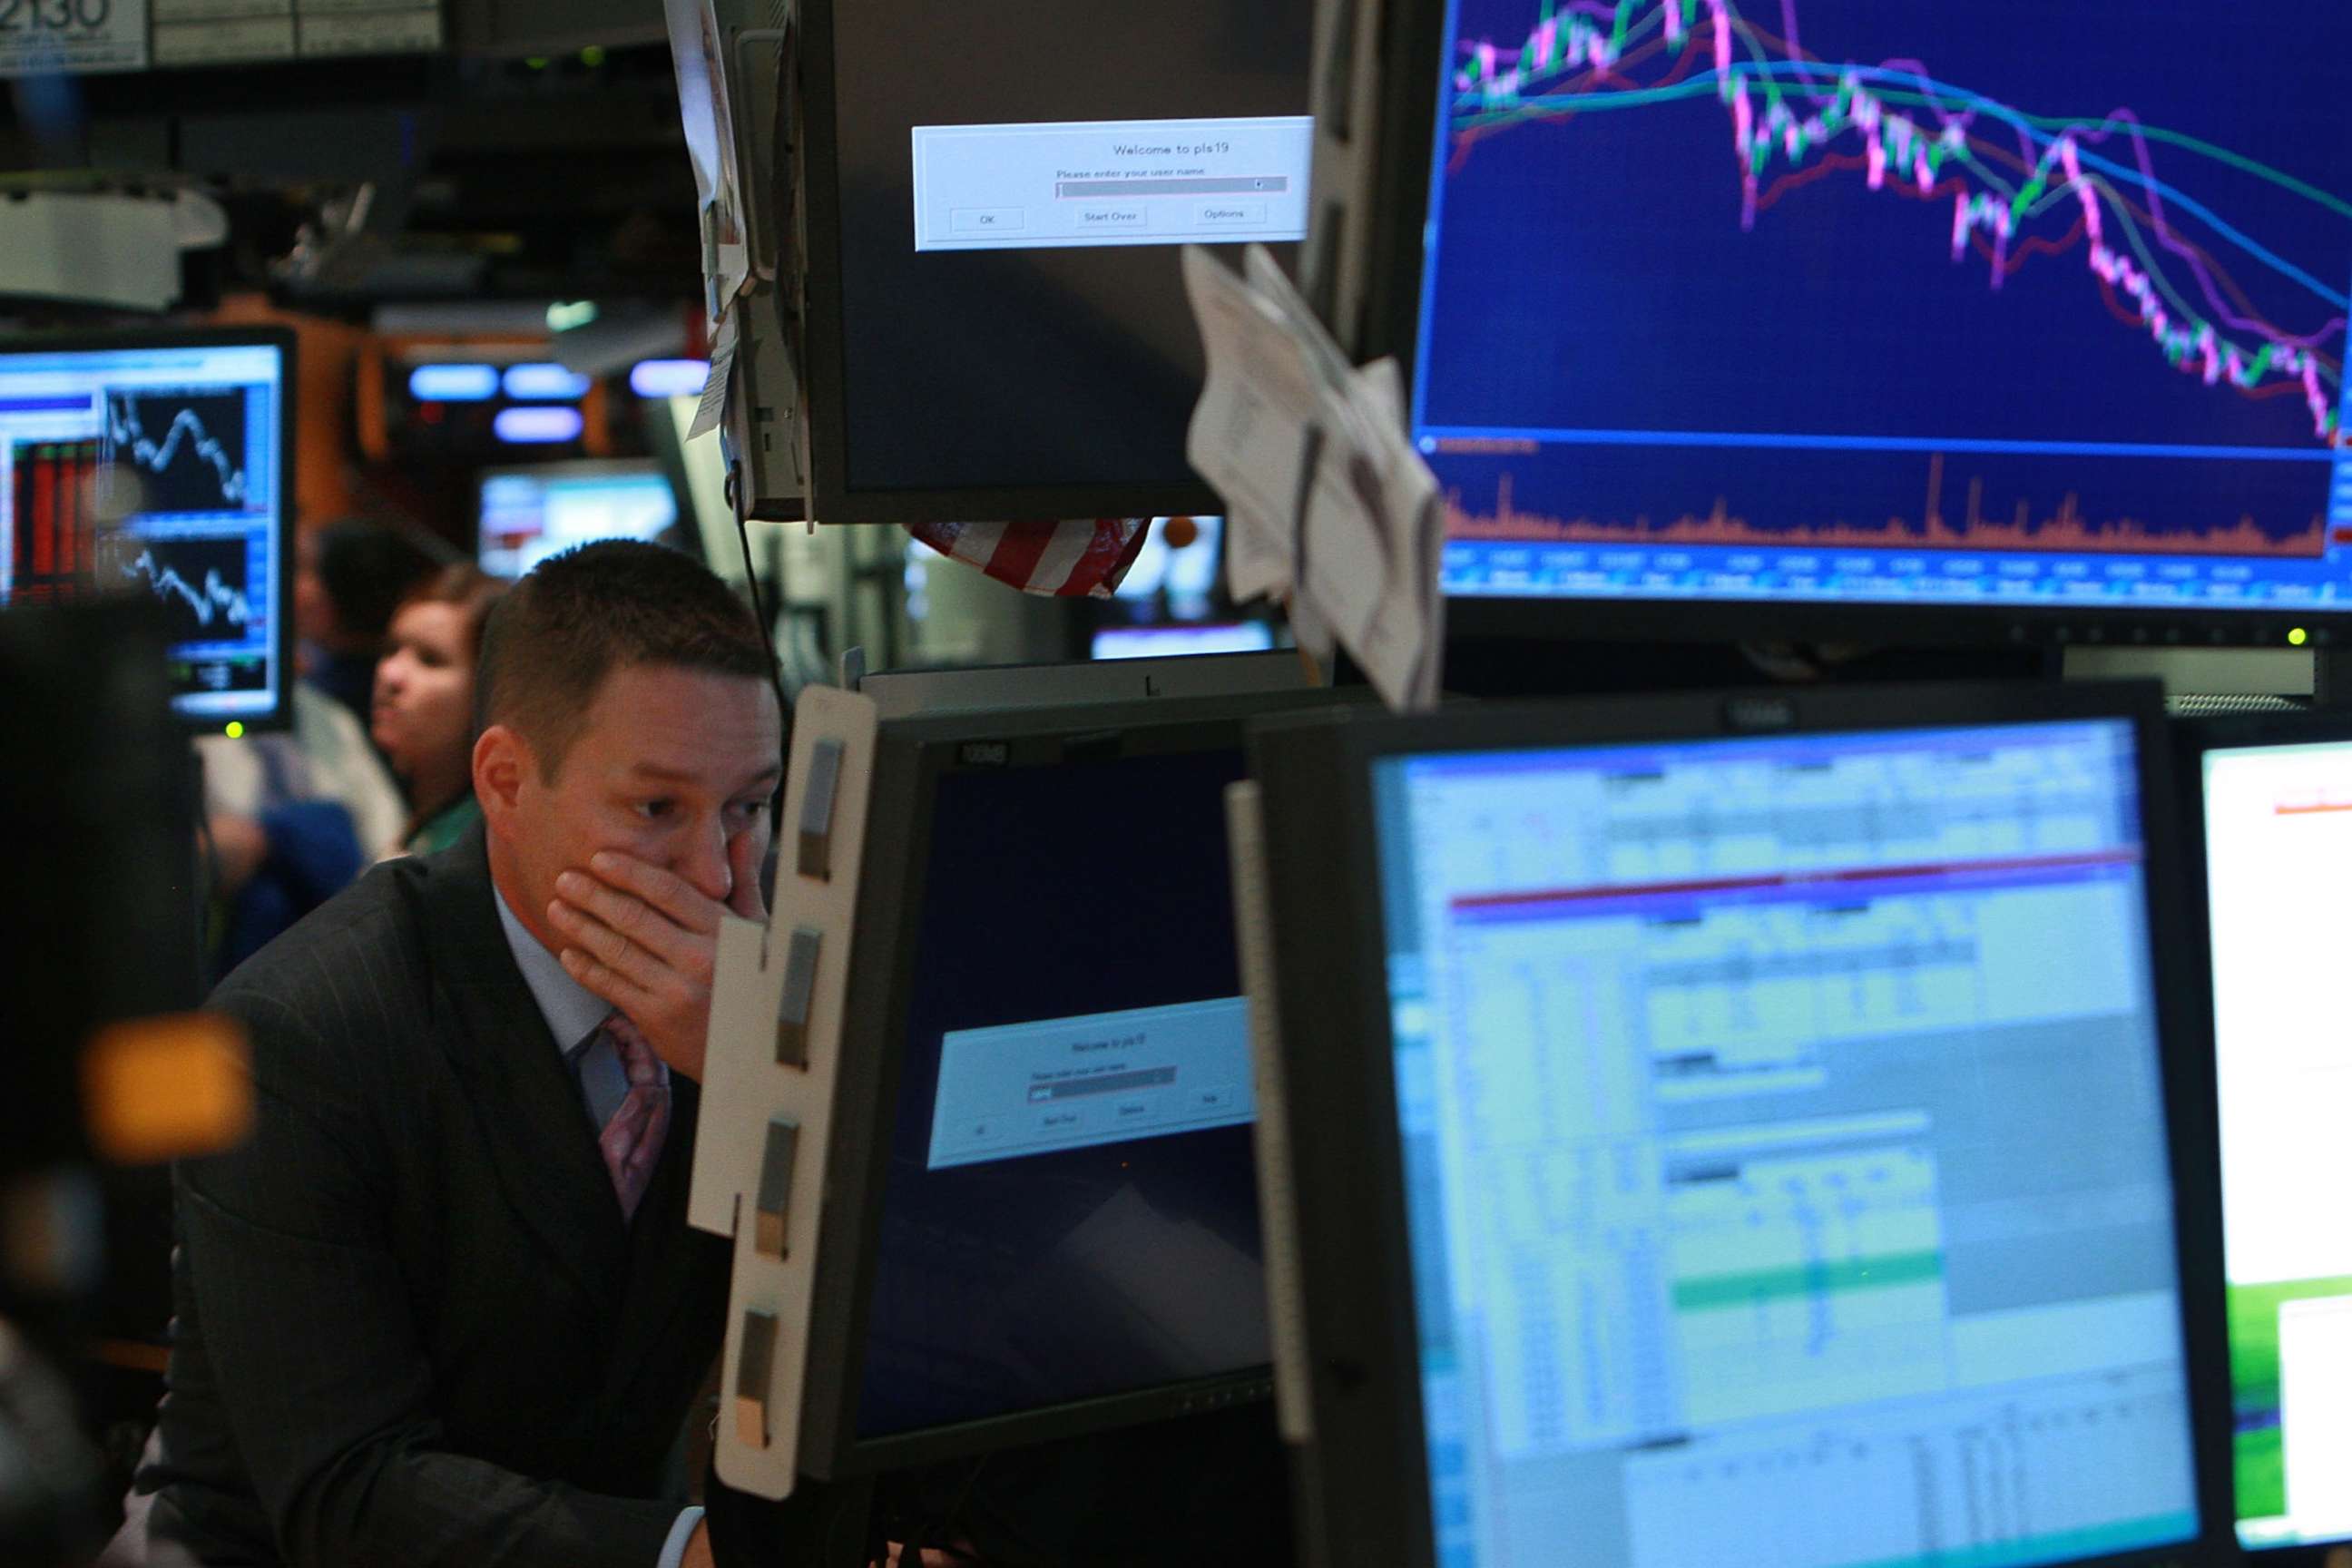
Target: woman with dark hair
(422, 717)
(348, 577)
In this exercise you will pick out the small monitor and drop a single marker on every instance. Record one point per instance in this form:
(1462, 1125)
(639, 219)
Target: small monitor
(159, 464)
(1761, 1145)
(529, 514)
(1182, 577)
(997, 326)
(1176, 640)
(1896, 320)
(2277, 831)
(988, 689)
(1043, 1217)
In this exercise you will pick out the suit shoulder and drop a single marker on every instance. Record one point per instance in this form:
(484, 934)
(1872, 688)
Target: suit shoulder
(356, 953)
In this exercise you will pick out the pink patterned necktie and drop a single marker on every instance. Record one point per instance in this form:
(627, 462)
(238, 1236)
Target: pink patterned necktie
(632, 1139)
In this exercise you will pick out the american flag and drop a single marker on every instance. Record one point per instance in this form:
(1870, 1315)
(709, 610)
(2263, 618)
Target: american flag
(1081, 557)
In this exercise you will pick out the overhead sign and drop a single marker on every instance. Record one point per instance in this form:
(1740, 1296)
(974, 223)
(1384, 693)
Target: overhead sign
(245, 32)
(44, 37)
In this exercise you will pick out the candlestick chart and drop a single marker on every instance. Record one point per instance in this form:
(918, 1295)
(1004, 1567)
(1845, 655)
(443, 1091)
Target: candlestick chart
(2068, 277)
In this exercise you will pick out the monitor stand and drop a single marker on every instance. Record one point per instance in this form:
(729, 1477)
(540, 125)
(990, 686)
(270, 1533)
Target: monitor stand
(1504, 668)
(2196, 679)
(2331, 678)
(2221, 680)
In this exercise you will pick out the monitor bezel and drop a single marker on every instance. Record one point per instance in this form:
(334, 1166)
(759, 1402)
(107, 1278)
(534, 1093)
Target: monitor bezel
(1364, 1491)
(1400, 190)
(832, 496)
(2194, 741)
(912, 756)
(652, 468)
(279, 716)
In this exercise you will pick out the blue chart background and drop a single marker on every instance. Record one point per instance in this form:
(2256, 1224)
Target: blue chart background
(1592, 274)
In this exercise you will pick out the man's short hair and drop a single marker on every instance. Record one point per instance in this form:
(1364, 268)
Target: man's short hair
(577, 618)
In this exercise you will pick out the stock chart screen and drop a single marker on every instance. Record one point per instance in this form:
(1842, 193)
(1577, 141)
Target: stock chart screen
(155, 470)
(2008, 303)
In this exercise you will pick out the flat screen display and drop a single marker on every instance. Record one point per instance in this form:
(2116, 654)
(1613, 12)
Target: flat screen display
(156, 470)
(1070, 1210)
(2278, 850)
(530, 514)
(2003, 305)
(1015, 185)
(1785, 1149)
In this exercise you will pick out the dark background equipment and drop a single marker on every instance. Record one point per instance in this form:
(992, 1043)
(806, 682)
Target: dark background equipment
(98, 926)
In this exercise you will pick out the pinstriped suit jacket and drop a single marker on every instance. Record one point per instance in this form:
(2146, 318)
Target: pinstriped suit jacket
(412, 1327)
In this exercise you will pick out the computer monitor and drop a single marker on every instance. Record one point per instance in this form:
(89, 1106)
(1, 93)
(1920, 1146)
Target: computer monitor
(997, 325)
(1185, 577)
(160, 463)
(1042, 1210)
(2275, 819)
(988, 688)
(1730, 1130)
(529, 514)
(1905, 321)
(1180, 639)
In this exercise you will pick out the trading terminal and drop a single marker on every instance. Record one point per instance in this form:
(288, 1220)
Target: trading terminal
(682, 900)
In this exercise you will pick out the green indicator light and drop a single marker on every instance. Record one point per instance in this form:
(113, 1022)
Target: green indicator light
(593, 55)
(235, 730)
(2297, 638)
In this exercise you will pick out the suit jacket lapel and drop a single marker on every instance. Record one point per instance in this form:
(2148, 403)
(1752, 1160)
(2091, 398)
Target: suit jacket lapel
(531, 1115)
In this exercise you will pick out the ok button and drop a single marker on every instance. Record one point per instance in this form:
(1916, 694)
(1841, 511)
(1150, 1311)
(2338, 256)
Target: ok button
(987, 220)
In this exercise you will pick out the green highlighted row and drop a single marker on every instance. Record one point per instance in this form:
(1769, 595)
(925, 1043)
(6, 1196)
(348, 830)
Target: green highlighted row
(1715, 1290)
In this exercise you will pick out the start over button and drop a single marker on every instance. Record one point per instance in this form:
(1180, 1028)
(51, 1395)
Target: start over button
(1230, 215)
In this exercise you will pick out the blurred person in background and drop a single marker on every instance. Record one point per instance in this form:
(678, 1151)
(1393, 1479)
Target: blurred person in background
(292, 818)
(423, 712)
(348, 577)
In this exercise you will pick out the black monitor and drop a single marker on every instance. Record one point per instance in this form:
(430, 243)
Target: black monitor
(997, 322)
(1901, 321)
(1747, 1129)
(1041, 1212)
(2273, 812)
(160, 463)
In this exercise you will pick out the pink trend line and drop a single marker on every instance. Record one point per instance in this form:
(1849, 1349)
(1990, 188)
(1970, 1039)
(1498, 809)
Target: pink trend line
(1898, 146)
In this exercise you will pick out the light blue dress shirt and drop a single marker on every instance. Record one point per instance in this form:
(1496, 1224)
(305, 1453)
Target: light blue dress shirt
(574, 1015)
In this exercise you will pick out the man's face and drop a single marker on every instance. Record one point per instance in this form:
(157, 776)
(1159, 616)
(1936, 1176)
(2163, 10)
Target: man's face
(673, 766)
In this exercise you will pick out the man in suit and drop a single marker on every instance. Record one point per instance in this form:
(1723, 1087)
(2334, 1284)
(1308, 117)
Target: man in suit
(444, 1306)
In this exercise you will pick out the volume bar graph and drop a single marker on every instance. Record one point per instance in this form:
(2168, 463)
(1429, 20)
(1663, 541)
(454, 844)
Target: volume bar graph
(1973, 528)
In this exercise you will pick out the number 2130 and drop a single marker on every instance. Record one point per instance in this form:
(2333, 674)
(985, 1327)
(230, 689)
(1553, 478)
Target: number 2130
(58, 15)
